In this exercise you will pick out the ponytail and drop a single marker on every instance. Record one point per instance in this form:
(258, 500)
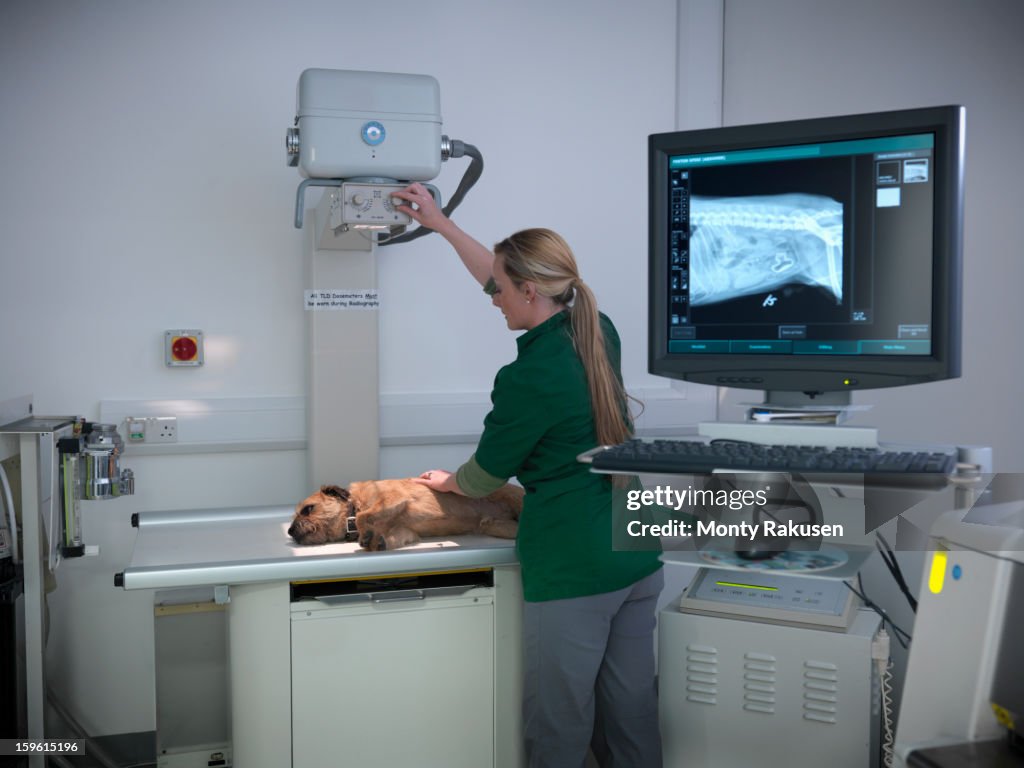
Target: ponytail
(608, 397)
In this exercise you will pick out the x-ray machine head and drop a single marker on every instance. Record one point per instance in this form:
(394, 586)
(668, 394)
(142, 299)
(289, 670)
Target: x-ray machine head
(370, 134)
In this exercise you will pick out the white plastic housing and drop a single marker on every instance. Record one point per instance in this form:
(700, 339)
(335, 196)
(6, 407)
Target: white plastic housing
(368, 125)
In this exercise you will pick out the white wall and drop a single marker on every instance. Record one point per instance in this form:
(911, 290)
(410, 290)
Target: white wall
(145, 188)
(148, 180)
(802, 58)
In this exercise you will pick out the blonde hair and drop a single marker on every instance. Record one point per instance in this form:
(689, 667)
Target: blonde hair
(544, 258)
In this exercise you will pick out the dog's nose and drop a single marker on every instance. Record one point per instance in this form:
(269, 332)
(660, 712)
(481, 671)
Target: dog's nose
(291, 530)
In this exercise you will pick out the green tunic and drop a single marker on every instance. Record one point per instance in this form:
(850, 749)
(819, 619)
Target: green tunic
(539, 423)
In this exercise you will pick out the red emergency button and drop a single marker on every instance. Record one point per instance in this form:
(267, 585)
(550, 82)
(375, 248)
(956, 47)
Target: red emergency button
(183, 348)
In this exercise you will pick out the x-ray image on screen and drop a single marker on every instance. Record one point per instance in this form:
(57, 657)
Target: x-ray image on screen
(741, 246)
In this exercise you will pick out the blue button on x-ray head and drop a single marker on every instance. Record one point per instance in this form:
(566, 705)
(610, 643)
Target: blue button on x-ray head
(373, 133)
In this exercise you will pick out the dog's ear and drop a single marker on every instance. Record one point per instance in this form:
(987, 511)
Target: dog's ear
(336, 491)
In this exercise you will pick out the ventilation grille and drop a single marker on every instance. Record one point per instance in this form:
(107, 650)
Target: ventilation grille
(702, 674)
(759, 683)
(821, 692)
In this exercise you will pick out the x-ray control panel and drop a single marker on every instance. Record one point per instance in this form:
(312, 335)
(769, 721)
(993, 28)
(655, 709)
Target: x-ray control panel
(370, 206)
(785, 599)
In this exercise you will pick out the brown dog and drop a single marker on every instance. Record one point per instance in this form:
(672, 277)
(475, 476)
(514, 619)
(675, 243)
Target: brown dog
(388, 514)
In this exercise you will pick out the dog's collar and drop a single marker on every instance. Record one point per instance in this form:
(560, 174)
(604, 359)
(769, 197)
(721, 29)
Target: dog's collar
(351, 534)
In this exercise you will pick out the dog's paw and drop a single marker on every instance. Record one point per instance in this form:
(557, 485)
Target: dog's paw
(498, 527)
(371, 540)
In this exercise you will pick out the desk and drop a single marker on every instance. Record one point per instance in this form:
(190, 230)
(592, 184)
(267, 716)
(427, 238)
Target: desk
(248, 555)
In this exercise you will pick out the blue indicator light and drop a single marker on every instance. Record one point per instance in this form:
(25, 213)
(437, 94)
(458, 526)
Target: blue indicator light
(957, 572)
(373, 133)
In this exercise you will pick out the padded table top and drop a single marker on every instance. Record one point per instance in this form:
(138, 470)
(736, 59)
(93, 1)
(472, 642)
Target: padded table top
(214, 547)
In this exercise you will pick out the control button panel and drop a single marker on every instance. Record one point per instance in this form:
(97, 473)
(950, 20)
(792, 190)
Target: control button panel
(791, 593)
(366, 205)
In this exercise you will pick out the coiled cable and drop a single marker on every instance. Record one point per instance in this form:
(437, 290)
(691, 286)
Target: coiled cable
(884, 667)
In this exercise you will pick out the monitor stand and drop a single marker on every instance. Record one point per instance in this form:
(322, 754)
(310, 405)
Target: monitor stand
(796, 418)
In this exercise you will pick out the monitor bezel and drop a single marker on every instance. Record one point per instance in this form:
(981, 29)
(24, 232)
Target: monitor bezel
(819, 373)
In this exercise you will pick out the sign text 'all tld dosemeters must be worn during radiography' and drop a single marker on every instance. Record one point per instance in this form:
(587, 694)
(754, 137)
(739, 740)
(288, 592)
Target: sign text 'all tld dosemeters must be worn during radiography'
(353, 298)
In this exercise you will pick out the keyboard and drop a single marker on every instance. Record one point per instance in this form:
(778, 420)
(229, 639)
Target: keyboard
(913, 468)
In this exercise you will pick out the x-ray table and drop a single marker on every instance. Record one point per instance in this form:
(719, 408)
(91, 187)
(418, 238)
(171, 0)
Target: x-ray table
(253, 565)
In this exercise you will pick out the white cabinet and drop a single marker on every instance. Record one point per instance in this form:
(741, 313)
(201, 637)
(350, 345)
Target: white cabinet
(394, 679)
(735, 693)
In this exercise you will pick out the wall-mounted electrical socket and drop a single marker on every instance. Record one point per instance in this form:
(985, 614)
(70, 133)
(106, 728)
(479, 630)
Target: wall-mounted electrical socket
(152, 429)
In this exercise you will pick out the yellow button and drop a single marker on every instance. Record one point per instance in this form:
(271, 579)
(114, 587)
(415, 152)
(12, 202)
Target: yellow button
(937, 575)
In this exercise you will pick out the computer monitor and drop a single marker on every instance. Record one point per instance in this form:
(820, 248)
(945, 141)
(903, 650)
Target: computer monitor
(808, 258)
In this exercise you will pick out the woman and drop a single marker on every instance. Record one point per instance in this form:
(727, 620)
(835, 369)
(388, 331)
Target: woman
(588, 617)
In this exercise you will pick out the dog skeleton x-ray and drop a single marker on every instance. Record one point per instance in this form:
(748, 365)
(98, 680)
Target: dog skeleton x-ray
(746, 245)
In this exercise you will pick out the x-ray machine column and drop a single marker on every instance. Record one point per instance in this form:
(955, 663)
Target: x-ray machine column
(342, 433)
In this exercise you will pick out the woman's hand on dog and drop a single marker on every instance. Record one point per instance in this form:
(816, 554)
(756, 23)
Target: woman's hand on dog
(440, 480)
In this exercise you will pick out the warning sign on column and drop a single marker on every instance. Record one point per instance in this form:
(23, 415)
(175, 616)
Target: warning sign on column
(343, 299)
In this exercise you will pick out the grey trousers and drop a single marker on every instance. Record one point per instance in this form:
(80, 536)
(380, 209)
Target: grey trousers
(589, 676)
